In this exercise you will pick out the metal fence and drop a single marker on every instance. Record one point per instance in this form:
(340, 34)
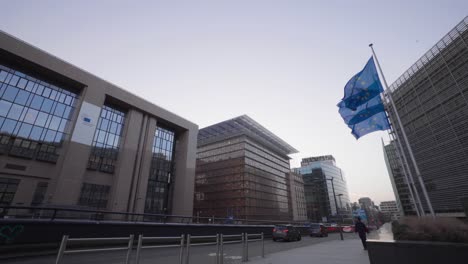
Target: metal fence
(55, 213)
(185, 244)
(63, 246)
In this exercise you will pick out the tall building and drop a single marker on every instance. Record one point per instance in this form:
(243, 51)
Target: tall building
(431, 98)
(404, 200)
(297, 196)
(241, 172)
(71, 139)
(390, 210)
(317, 173)
(366, 202)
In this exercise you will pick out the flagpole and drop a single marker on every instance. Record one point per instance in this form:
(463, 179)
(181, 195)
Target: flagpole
(416, 167)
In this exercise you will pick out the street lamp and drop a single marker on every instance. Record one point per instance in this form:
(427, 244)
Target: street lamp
(336, 205)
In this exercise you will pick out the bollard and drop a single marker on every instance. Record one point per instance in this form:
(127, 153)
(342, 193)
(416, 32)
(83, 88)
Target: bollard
(217, 249)
(129, 250)
(263, 245)
(187, 252)
(246, 247)
(221, 260)
(138, 252)
(63, 245)
(181, 254)
(243, 247)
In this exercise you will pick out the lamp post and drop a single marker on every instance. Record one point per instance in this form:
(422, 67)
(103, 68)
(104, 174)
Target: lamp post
(336, 205)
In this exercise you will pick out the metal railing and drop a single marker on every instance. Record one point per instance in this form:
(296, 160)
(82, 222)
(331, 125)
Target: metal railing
(56, 213)
(246, 239)
(65, 239)
(140, 245)
(186, 243)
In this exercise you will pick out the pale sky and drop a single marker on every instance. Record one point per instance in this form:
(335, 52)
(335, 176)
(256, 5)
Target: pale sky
(283, 63)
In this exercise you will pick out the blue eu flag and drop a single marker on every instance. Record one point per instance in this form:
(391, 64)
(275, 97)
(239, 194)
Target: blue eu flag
(362, 87)
(367, 118)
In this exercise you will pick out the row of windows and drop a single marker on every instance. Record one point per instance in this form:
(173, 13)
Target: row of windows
(106, 140)
(8, 188)
(33, 115)
(162, 168)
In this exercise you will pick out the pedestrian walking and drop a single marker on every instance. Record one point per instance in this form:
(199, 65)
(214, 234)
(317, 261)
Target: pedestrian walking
(361, 229)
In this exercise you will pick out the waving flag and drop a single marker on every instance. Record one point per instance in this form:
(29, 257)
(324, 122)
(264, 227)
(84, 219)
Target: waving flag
(361, 107)
(366, 118)
(364, 86)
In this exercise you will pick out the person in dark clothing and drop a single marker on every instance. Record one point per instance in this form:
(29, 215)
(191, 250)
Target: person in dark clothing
(361, 228)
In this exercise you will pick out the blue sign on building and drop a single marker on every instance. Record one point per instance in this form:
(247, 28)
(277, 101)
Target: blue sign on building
(360, 213)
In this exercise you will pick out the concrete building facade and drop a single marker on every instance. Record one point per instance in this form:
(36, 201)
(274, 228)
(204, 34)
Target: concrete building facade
(71, 139)
(241, 172)
(402, 193)
(390, 210)
(297, 197)
(431, 98)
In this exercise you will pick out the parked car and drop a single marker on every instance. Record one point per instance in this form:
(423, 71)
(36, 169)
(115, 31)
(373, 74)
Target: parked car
(318, 230)
(348, 228)
(286, 233)
(331, 227)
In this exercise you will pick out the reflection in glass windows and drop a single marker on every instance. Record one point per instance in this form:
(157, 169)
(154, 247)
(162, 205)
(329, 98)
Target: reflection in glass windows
(8, 189)
(33, 116)
(94, 195)
(162, 169)
(106, 140)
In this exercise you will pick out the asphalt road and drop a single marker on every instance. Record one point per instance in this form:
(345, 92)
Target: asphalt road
(198, 254)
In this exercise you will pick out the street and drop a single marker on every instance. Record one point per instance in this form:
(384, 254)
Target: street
(198, 254)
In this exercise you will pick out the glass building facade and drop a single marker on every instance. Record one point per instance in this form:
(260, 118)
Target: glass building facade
(320, 201)
(239, 175)
(431, 98)
(161, 172)
(105, 146)
(33, 116)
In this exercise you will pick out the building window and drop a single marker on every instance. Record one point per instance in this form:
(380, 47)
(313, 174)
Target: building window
(8, 189)
(94, 195)
(33, 116)
(106, 140)
(39, 194)
(161, 173)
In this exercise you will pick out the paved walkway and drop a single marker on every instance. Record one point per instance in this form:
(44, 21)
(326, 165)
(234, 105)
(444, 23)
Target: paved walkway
(333, 252)
(348, 251)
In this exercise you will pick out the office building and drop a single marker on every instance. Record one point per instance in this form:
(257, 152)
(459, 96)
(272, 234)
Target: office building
(71, 139)
(297, 197)
(431, 98)
(390, 210)
(317, 173)
(402, 193)
(241, 172)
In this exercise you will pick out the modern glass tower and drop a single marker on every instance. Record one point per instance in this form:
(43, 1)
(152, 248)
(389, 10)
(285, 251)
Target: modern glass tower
(241, 172)
(432, 101)
(317, 173)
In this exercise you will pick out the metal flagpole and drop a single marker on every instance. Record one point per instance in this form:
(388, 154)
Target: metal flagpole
(416, 168)
(407, 174)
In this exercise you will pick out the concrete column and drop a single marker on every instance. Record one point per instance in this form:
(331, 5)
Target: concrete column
(66, 190)
(184, 184)
(25, 192)
(144, 168)
(127, 161)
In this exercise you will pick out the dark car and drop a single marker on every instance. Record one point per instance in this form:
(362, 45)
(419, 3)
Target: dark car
(286, 233)
(318, 230)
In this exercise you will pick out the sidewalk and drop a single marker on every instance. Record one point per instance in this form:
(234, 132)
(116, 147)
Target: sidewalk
(333, 252)
(348, 251)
